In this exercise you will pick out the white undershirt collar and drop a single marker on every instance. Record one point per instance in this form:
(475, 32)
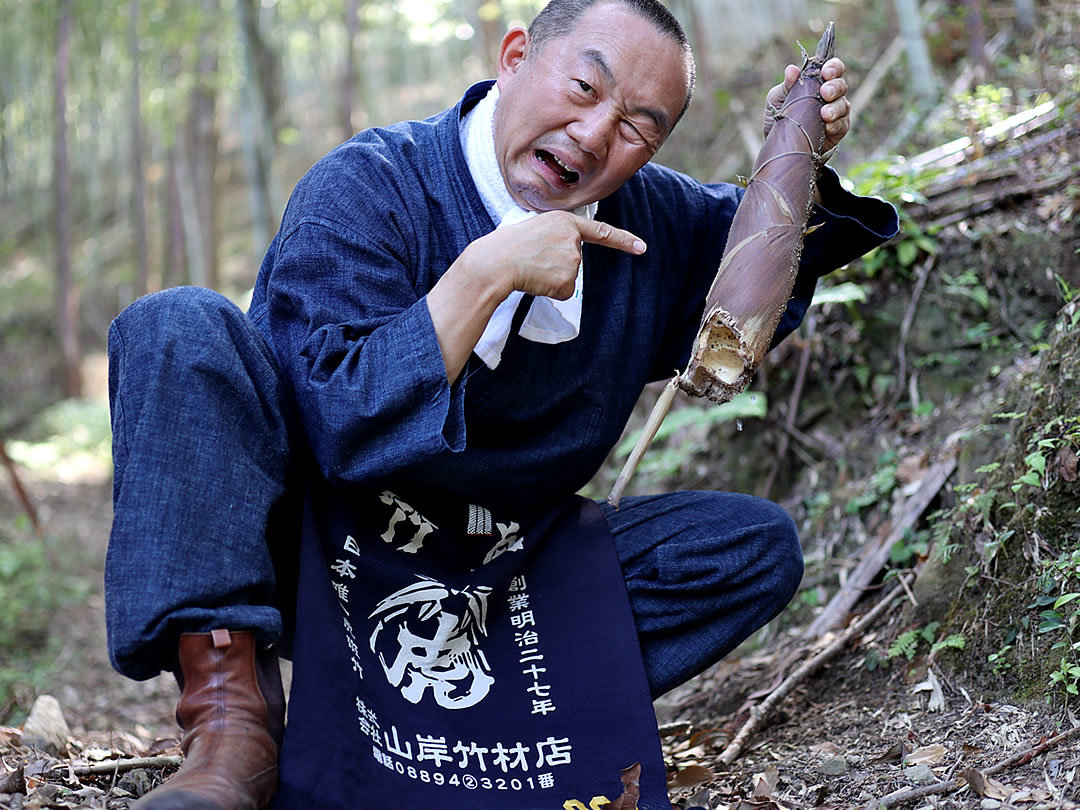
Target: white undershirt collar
(548, 320)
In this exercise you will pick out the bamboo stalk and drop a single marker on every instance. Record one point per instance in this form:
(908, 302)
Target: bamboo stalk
(648, 433)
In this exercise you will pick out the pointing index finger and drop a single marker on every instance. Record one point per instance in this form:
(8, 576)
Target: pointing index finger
(601, 233)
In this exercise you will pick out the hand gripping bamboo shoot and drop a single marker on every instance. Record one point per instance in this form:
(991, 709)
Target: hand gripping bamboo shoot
(757, 272)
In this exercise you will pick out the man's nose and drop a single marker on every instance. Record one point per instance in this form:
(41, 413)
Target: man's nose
(592, 131)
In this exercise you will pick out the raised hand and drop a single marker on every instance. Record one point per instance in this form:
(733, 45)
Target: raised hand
(539, 256)
(835, 112)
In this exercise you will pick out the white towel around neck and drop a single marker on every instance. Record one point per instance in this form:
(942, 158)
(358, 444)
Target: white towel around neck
(549, 320)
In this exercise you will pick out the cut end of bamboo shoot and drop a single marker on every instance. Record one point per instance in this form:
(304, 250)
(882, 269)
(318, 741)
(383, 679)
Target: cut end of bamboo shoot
(721, 362)
(648, 433)
(723, 355)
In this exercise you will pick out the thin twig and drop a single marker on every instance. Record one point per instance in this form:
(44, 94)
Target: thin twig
(760, 712)
(947, 786)
(648, 433)
(123, 765)
(908, 795)
(20, 491)
(922, 273)
(909, 318)
(793, 408)
(1024, 756)
(907, 590)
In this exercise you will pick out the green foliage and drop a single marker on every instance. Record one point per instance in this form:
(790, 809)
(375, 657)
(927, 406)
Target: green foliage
(905, 645)
(879, 487)
(1067, 675)
(1000, 661)
(817, 506)
(892, 181)
(71, 433)
(983, 107)
(908, 643)
(1068, 294)
(32, 590)
(27, 594)
(967, 285)
(1059, 432)
(911, 546)
(846, 293)
(1059, 617)
(746, 405)
(954, 642)
(686, 431)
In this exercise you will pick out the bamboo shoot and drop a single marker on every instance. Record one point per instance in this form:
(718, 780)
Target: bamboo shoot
(757, 272)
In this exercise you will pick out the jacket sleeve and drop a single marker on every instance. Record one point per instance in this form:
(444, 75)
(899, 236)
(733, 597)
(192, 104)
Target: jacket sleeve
(850, 226)
(357, 342)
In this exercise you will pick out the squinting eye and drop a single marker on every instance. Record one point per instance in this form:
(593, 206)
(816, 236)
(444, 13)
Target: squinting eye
(584, 86)
(632, 133)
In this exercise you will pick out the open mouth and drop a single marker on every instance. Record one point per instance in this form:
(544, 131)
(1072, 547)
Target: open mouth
(565, 173)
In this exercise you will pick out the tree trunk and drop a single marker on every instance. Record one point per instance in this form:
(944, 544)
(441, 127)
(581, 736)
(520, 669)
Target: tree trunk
(918, 56)
(487, 17)
(700, 33)
(1025, 15)
(976, 36)
(175, 256)
(5, 166)
(67, 296)
(197, 158)
(258, 131)
(138, 179)
(348, 81)
(191, 217)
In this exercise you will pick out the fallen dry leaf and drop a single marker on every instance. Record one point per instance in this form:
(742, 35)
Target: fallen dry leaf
(755, 804)
(1030, 795)
(696, 752)
(985, 786)
(98, 753)
(631, 779)
(34, 773)
(690, 776)
(933, 686)
(912, 468)
(12, 781)
(1066, 464)
(675, 729)
(976, 781)
(927, 755)
(710, 737)
(826, 748)
(765, 782)
(896, 753)
(997, 790)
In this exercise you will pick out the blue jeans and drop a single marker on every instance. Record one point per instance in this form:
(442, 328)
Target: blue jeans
(206, 515)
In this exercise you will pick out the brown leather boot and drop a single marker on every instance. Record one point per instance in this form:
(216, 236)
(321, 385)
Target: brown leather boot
(232, 710)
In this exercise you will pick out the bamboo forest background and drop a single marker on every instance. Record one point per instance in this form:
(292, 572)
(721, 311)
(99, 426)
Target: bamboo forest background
(150, 143)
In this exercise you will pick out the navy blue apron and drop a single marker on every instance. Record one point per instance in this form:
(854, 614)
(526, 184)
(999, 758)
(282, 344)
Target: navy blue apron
(450, 657)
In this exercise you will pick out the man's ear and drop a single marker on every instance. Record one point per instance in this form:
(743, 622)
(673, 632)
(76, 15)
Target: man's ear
(512, 52)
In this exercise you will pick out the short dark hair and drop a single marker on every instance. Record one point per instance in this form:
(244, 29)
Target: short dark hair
(559, 16)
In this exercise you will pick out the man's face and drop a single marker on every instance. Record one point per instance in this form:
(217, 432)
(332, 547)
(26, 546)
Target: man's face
(578, 118)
